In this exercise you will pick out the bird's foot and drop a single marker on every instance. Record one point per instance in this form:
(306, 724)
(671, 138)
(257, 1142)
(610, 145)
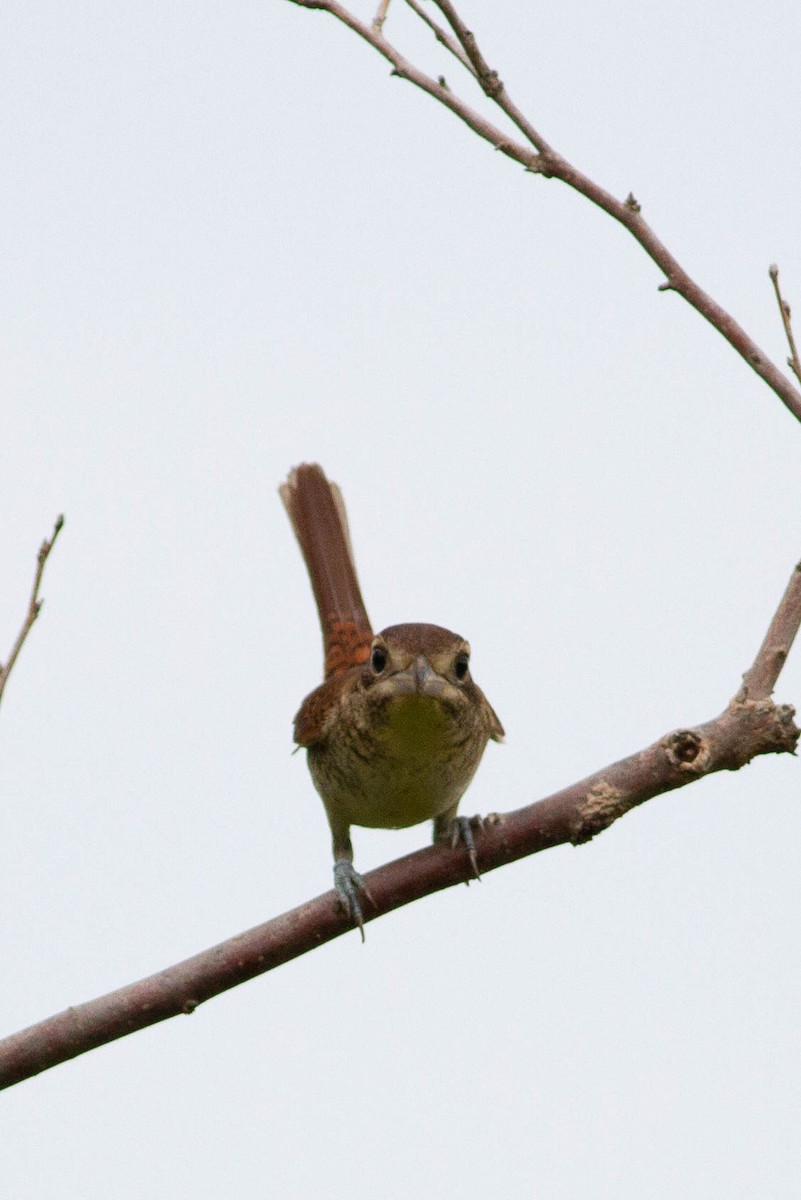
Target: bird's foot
(349, 886)
(459, 830)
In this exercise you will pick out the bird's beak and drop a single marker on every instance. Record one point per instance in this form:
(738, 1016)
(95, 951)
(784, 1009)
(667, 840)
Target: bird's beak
(422, 674)
(419, 679)
(426, 679)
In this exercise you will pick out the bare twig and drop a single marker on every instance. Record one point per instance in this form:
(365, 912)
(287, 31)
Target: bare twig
(784, 308)
(750, 725)
(405, 70)
(34, 605)
(544, 160)
(380, 16)
(444, 38)
(760, 679)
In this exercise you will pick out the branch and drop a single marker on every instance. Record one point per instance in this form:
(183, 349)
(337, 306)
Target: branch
(34, 605)
(750, 725)
(544, 160)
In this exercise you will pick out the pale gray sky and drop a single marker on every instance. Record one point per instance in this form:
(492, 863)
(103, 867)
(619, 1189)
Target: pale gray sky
(229, 243)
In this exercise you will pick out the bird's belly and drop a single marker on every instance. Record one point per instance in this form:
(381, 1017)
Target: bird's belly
(413, 768)
(381, 801)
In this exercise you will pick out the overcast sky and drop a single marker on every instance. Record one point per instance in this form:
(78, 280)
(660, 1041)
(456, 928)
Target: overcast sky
(230, 242)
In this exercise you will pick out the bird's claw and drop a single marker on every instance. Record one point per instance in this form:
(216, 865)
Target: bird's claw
(348, 883)
(462, 831)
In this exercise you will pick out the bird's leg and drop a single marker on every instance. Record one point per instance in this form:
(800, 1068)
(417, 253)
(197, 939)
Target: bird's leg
(347, 880)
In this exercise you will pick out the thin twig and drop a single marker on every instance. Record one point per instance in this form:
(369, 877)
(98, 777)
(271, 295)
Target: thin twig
(444, 38)
(784, 308)
(34, 605)
(760, 678)
(750, 725)
(544, 160)
(380, 16)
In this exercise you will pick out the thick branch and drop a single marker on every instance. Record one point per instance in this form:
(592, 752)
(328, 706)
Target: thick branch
(544, 160)
(34, 605)
(751, 725)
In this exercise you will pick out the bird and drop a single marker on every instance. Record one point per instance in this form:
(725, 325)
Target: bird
(396, 731)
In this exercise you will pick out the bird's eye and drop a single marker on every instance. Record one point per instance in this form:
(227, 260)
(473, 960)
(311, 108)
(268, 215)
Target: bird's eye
(378, 659)
(460, 667)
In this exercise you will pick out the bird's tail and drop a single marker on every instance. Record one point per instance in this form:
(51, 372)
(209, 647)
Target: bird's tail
(317, 512)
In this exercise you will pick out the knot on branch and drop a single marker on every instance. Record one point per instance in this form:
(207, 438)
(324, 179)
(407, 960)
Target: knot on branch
(491, 84)
(687, 750)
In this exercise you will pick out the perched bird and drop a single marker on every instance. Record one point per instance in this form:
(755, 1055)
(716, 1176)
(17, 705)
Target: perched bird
(397, 729)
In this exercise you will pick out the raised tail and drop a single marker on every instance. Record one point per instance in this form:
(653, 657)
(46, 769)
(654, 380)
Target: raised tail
(317, 512)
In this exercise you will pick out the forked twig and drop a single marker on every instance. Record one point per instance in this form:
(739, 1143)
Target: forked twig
(34, 605)
(540, 158)
(490, 82)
